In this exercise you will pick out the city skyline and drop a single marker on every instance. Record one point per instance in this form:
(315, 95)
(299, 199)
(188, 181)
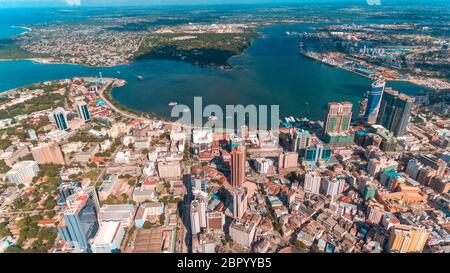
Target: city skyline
(99, 152)
(75, 3)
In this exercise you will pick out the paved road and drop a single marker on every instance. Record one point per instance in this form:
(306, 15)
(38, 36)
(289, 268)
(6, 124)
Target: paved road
(100, 175)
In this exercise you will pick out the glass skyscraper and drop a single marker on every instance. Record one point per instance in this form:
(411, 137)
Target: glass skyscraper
(316, 153)
(80, 222)
(59, 115)
(395, 110)
(83, 111)
(374, 100)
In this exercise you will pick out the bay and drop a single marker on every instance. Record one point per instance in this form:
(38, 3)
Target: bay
(269, 72)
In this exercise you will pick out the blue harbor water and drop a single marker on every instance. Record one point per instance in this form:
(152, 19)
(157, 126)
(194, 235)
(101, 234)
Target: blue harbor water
(269, 72)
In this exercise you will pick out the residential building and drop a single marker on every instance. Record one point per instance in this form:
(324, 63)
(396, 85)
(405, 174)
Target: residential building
(312, 182)
(338, 117)
(239, 202)
(242, 232)
(238, 159)
(407, 239)
(48, 153)
(288, 160)
(23, 172)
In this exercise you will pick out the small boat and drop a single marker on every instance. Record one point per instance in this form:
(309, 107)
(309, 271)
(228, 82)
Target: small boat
(118, 72)
(173, 103)
(141, 78)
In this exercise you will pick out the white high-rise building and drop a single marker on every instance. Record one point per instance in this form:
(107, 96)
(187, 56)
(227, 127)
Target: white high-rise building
(332, 187)
(312, 182)
(195, 218)
(242, 232)
(239, 202)
(199, 183)
(262, 165)
(198, 215)
(23, 172)
(413, 168)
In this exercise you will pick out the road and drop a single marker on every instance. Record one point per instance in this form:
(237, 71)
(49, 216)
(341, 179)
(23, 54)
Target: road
(100, 175)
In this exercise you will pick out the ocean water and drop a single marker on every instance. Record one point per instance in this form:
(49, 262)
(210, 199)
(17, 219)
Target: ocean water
(269, 72)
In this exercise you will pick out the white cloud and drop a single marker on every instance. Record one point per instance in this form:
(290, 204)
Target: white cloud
(73, 2)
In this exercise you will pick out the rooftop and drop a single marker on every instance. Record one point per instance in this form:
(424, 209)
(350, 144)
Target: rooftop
(107, 232)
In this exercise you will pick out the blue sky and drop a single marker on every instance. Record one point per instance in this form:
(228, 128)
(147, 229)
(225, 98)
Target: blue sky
(12, 3)
(148, 2)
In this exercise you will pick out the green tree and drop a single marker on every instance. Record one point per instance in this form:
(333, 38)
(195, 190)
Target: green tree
(162, 219)
(36, 244)
(50, 203)
(13, 249)
(147, 225)
(300, 245)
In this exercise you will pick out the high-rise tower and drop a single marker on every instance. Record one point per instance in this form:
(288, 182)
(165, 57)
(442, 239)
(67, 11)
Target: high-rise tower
(238, 157)
(374, 100)
(83, 111)
(60, 117)
(395, 110)
(339, 116)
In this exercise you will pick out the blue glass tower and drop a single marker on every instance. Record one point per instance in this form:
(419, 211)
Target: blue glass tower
(83, 111)
(60, 118)
(374, 100)
(80, 221)
(316, 153)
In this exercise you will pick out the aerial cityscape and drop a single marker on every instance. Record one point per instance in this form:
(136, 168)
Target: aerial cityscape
(94, 160)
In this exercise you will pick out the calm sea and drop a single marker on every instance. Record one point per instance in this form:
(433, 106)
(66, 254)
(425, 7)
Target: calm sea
(269, 72)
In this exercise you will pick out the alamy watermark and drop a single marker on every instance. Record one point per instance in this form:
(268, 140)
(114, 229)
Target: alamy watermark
(261, 117)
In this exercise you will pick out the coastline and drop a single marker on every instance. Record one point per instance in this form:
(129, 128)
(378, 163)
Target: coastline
(55, 62)
(27, 29)
(412, 81)
(107, 96)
